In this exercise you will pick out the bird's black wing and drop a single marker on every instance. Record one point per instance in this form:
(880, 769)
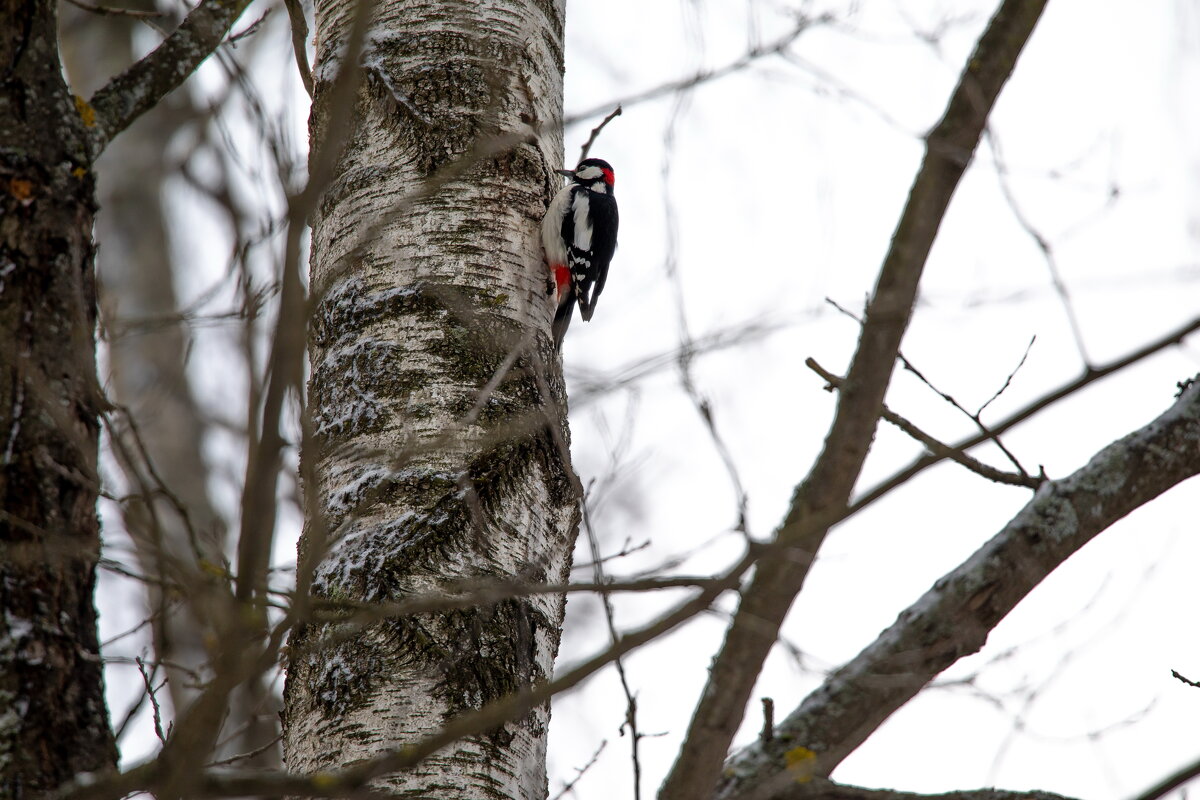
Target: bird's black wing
(604, 218)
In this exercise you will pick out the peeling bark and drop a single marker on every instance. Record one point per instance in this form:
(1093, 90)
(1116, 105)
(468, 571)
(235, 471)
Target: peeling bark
(429, 286)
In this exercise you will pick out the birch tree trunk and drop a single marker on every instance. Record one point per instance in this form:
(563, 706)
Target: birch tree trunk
(436, 398)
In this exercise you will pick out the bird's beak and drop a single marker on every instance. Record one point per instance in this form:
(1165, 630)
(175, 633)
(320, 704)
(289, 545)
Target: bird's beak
(570, 173)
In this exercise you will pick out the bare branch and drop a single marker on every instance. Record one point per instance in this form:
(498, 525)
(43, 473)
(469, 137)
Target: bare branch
(513, 706)
(1043, 246)
(1178, 677)
(776, 47)
(1173, 781)
(139, 88)
(631, 720)
(581, 771)
(115, 12)
(1008, 381)
(300, 42)
(954, 617)
(1017, 417)
(821, 789)
(587, 146)
(949, 398)
(932, 444)
(823, 495)
(152, 692)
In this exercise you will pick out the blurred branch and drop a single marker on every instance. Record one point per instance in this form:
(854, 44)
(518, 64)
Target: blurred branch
(300, 42)
(932, 444)
(352, 780)
(1043, 246)
(776, 47)
(1069, 388)
(822, 496)
(631, 706)
(115, 12)
(955, 616)
(589, 385)
(139, 88)
(580, 772)
(484, 592)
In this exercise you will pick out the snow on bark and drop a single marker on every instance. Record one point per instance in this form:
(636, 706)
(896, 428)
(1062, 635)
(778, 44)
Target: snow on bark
(430, 286)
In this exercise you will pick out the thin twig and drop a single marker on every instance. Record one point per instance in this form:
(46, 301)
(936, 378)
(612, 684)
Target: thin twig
(768, 727)
(587, 146)
(776, 47)
(635, 737)
(148, 680)
(1179, 677)
(1042, 243)
(1008, 381)
(626, 550)
(908, 365)
(250, 30)
(1031, 409)
(994, 437)
(934, 445)
(243, 756)
(580, 771)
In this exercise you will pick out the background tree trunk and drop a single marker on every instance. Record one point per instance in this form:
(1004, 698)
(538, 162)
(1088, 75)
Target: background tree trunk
(53, 719)
(147, 350)
(429, 286)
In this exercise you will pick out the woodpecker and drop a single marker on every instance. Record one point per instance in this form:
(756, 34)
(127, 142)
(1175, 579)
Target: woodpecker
(579, 235)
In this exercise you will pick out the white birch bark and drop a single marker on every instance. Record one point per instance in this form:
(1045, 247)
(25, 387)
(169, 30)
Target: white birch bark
(420, 304)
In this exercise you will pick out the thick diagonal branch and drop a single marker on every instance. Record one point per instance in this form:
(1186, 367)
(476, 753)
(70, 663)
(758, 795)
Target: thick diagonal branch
(954, 617)
(828, 790)
(824, 493)
(139, 88)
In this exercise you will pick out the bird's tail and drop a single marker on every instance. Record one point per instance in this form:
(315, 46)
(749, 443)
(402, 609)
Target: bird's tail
(562, 317)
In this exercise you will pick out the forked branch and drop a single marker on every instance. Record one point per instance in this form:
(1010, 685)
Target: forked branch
(823, 495)
(139, 88)
(953, 619)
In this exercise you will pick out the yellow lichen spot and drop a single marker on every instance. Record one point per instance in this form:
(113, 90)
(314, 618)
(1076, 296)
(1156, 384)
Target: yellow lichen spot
(324, 780)
(79, 172)
(215, 570)
(801, 763)
(86, 112)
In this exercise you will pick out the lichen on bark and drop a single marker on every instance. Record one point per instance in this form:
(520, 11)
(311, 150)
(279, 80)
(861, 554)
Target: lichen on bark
(436, 394)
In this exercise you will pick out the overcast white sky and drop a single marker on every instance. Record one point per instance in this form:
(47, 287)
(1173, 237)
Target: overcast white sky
(786, 180)
(783, 183)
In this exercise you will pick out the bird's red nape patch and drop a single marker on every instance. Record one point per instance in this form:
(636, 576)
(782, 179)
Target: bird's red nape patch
(562, 278)
(609, 178)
